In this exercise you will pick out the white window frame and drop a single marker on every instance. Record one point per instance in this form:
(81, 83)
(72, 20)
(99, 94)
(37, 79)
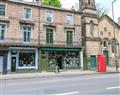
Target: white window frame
(23, 35)
(24, 13)
(53, 34)
(4, 33)
(71, 19)
(5, 8)
(52, 16)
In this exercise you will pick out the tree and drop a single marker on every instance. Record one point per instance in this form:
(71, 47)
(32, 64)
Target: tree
(55, 3)
(101, 10)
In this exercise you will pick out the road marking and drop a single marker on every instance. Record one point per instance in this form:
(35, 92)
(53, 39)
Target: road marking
(116, 87)
(69, 93)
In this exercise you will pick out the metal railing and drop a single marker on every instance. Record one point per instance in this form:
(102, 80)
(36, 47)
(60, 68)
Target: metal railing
(18, 41)
(60, 43)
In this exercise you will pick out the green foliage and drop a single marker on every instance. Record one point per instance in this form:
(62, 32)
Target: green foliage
(55, 3)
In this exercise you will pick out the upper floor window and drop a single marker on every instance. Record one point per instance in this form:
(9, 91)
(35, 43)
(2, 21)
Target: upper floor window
(49, 16)
(69, 37)
(27, 33)
(2, 10)
(69, 19)
(27, 13)
(2, 31)
(49, 35)
(92, 28)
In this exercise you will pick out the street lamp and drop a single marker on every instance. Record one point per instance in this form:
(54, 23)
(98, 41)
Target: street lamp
(114, 34)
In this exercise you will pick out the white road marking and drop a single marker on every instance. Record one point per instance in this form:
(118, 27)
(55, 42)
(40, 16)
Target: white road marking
(69, 93)
(116, 87)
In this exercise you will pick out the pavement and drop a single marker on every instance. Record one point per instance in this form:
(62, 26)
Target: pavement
(53, 74)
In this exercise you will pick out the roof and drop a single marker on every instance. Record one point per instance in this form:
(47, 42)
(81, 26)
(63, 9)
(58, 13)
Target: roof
(42, 6)
(109, 19)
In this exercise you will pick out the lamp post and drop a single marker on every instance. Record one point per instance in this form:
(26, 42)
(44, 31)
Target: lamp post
(114, 35)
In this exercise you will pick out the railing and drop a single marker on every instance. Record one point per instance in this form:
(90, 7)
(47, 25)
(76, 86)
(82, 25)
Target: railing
(60, 43)
(18, 41)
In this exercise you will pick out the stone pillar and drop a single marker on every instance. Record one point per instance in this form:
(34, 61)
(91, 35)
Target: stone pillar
(9, 61)
(36, 59)
(81, 59)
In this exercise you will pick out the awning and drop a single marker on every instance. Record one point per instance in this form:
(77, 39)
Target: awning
(61, 49)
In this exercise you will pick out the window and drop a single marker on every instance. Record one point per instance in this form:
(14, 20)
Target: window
(69, 19)
(92, 28)
(27, 33)
(105, 44)
(49, 16)
(105, 28)
(69, 37)
(109, 33)
(49, 36)
(2, 10)
(2, 31)
(26, 59)
(113, 46)
(27, 13)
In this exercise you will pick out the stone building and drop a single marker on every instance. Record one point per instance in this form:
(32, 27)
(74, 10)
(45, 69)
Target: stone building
(37, 37)
(109, 33)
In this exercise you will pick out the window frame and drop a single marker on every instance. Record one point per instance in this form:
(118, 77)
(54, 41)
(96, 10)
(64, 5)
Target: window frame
(69, 39)
(52, 20)
(52, 35)
(27, 33)
(71, 19)
(24, 13)
(5, 9)
(4, 31)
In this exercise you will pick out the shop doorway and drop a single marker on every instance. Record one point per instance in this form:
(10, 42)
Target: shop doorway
(93, 61)
(59, 62)
(13, 64)
(1, 64)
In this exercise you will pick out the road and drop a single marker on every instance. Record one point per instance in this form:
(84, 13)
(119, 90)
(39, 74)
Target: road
(96, 84)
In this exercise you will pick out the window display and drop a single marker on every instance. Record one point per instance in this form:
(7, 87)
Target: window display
(26, 59)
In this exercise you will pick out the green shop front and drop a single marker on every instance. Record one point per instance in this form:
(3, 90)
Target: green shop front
(65, 58)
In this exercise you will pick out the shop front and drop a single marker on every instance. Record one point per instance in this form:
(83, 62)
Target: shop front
(22, 59)
(65, 58)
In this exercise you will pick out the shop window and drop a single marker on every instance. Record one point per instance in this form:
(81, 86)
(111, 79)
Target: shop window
(2, 32)
(26, 59)
(69, 19)
(27, 33)
(49, 36)
(2, 10)
(69, 37)
(27, 13)
(49, 16)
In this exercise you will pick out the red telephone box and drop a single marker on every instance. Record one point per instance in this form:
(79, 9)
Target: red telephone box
(101, 63)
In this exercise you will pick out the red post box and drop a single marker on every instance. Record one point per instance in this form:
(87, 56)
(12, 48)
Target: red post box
(101, 63)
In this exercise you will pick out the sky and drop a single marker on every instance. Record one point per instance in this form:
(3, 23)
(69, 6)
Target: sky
(106, 3)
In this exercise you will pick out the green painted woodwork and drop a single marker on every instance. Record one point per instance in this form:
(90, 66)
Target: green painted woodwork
(93, 61)
(106, 53)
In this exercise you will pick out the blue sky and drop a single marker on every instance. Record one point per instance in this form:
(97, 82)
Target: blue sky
(105, 3)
